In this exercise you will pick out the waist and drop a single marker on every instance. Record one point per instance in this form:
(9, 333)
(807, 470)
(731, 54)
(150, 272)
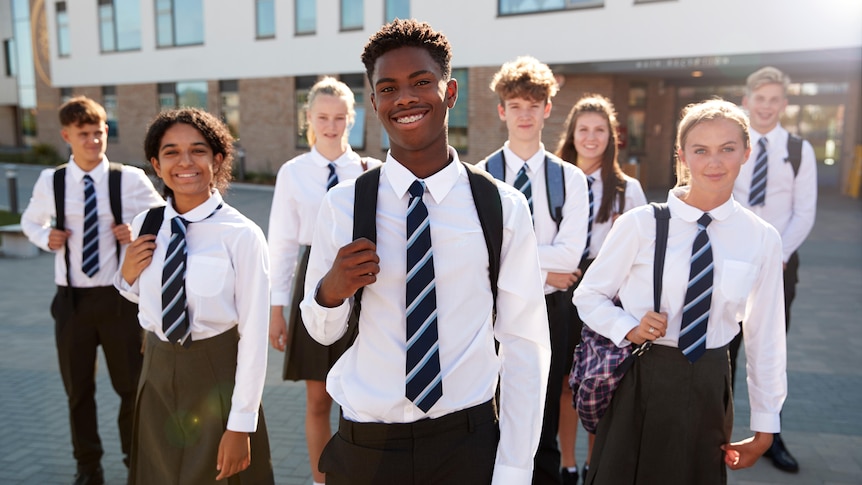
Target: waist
(468, 418)
(228, 338)
(665, 351)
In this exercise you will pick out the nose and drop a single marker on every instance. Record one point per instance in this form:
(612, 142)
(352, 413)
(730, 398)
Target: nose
(406, 96)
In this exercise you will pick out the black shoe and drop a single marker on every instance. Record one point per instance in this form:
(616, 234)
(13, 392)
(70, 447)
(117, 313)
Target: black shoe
(569, 478)
(781, 458)
(93, 477)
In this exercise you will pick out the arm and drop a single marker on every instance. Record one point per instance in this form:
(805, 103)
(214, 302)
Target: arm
(804, 206)
(522, 330)
(37, 217)
(559, 260)
(283, 251)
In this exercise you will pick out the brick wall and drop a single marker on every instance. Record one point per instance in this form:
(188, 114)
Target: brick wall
(267, 123)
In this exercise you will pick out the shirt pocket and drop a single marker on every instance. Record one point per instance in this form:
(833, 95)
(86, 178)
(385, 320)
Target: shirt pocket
(737, 279)
(205, 275)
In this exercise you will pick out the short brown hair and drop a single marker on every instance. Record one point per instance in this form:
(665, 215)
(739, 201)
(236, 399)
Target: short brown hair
(215, 133)
(526, 78)
(766, 75)
(710, 110)
(82, 110)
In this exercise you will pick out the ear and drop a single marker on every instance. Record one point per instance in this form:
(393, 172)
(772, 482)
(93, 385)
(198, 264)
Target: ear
(501, 111)
(65, 134)
(373, 102)
(217, 167)
(681, 156)
(547, 109)
(747, 154)
(451, 92)
(156, 166)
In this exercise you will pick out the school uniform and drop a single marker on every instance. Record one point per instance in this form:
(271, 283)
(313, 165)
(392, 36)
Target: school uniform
(669, 417)
(188, 395)
(299, 188)
(368, 381)
(90, 312)
(560, 250)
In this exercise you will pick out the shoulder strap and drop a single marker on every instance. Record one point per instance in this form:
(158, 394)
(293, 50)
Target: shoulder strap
(555, 183)
(489, 207)
(662, 223)
(115, 178)
(365, 215)
(60, 213)
(794, 152)
(495, 164)
(153, 221)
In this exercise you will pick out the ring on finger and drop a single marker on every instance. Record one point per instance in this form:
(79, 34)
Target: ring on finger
(651, 330)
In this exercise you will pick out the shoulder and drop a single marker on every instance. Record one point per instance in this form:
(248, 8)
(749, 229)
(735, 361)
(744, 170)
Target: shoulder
(303, 159)
(239, 223)
(755, 226)
(371, 162)
(133, 173)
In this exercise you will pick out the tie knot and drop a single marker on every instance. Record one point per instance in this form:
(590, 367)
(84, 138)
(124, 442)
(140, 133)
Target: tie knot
(179, 225)
(417, 188)
(590, 180)
(704, 220)
(331, 168)
(762, 143)
(525, 168)
(88, 180)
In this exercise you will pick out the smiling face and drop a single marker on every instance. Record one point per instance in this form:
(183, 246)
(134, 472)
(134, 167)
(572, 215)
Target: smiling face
(185, 164)
(412, 98)
(713, 151)
(329, 116)
(88, 142)
(591, 136)
(524, 118)
(765, 106)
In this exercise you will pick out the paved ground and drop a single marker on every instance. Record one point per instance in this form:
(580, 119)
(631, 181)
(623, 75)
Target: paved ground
(822, 417)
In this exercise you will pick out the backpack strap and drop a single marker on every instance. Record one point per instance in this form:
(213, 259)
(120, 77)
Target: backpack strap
(60, 212)
(555, 183)
(794, 152)
(153, 221)
(495, 164)
(489, 207)
(115, 179)
(365, 216)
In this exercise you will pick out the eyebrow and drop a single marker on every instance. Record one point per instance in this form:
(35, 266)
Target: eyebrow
(421, 72)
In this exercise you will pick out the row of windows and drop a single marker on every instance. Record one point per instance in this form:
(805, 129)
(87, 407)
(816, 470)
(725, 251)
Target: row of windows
(194, 94)
(181, 22)
(517, 7)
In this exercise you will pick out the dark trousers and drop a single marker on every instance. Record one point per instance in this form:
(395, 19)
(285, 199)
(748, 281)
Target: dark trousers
(84, 319)
(546, 466)
(460, 447)
(791, 277)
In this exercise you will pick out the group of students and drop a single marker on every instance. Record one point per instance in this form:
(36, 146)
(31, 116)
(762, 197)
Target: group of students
(465, 381)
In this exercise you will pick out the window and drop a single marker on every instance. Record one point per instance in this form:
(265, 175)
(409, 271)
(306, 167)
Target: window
(9, 56)
(636, 125)
(65, 95)
(230, 105)
(351, 14)
(511, 7)
(63, 47)
(189, 94)
(109, 102)
(120, 25)
(303, 85)
(167, 96)
(356, 83)
(459, 114)
(306, 17)
(179, 22)
(265, 13)
(396, 9)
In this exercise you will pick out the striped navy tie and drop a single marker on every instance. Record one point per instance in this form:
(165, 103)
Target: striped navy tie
(757, 195)
(424, 381)
(90, 256)
(698, 296)
(522, 183)
(332, 180)
(175, 316)
(591, 218)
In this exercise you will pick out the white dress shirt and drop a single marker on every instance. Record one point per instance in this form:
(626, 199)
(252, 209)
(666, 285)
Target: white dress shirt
(747, 287)
(560, 250)
(137, 194)
(227, 285)
(634, 197)
(368, 380)
(791, 202)
(299, 188)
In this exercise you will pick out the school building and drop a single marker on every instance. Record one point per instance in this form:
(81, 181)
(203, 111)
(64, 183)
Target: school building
(252, 62)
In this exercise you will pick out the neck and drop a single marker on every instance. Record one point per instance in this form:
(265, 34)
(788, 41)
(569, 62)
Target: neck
(705, 201)
(426, 161)
(331, 152)
(86, 165)
(524, 149)
(589, 166)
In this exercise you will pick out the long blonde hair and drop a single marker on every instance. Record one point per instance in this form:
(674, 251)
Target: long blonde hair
(332, 87)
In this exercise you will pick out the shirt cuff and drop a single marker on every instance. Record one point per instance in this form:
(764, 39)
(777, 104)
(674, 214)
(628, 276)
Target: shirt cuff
(242, 422)
(507, 475)
(765, 422)
(129, 292)
(280, 298)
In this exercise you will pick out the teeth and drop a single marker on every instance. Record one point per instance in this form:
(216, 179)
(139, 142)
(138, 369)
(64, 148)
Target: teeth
(186, 175)
(410, 119)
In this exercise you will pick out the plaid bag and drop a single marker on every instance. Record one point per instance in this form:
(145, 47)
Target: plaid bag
(598, 364)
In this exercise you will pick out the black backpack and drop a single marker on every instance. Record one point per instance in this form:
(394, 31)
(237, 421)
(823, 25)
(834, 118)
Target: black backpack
(794, 152)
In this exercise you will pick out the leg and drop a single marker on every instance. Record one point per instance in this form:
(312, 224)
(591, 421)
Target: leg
(547, 461)
(120, 335)
(318, 430)
(76, 349)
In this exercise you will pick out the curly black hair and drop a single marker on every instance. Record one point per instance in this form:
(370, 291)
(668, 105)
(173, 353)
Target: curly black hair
(215, 133)
(407, 33)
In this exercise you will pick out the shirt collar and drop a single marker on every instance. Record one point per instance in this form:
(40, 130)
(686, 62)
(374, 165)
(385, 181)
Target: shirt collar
(345, 159)
(514, 162)
(771, 137)
(97, 173)
(691, 214)
(200, 212)
(438, 185)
